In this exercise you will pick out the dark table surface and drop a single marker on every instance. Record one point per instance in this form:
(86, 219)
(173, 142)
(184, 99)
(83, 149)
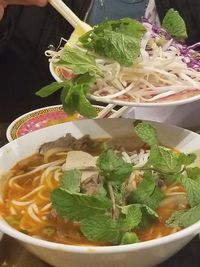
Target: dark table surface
(13, 254)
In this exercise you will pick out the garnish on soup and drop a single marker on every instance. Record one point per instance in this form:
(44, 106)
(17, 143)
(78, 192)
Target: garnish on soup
(126, 60)
(103, 192)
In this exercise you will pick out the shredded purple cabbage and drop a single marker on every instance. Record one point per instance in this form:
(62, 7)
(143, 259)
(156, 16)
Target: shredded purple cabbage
(191, 54)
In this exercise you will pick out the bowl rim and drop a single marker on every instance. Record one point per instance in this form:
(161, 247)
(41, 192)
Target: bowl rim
(23, 116)
(190, 231)
(132, 104)
(10, 126)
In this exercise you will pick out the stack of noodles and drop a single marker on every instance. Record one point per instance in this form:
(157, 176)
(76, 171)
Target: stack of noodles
(162, 72)
(29, 191)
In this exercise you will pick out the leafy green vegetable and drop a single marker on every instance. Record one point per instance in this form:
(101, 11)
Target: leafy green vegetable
(119, 191)
(174, 24)
(78, 61)
(184, 218)
(112, 167)
(73, 95)
(69, 99)
(133, 216)
(78, 206)
(192, 188)
(129, 238)
(193, 173)
(148, 215)
(114, 214)
(164, 160)
(101, 228)
(146, 132)
(119, 40)
(187, 159)
(84, 107)
(50, 89)
(70, 181)
(137, 216)
(147, 192)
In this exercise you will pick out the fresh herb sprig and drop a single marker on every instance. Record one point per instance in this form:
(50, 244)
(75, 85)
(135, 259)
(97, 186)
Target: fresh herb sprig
(114, 213)
(174, 24)
(116, 40)
(119, 40)
(172, 166)
(102, 217)
(73, 95)
(113, 216)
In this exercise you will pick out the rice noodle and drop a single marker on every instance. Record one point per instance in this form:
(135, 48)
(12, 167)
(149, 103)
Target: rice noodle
(34, 171)
(32, 214)
(32, 192)
(33, 205)
(161, 71)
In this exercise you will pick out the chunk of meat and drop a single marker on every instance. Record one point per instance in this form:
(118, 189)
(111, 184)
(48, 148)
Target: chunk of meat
(92, 185)
(66, 143)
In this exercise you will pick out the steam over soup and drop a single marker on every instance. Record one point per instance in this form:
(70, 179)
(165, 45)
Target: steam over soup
(102, 192)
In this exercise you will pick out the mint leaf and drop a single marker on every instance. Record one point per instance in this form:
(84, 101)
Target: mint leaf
(118, 46)
(133, 216)
(100, 228)
(174, 24)
(70, 181)
(119, 191)
(69, 100)
(130, 27)
(73, 98)
(192, 188)
(184, 218)
(148, 215)
(84, 107)
(164, 160)
(170, 178)
(73, 95)
(119, 40)
(85, 79)
(112, 167)
(137, 216)
(147, 192)
(129, 238)
(187, 159)
(146, 132)
(50, 89)
(193, 173)
(78, 206)
(78, 61)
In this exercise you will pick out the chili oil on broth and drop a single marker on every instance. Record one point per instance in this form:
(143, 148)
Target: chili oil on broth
(26, 204)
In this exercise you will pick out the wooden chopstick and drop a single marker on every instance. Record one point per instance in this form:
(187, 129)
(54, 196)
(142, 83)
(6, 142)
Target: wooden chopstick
(69, 15)
(105, 111)
(119, 112)
(108, 108)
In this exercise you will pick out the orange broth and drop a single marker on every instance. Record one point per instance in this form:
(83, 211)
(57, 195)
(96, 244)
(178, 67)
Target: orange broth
(31, 194)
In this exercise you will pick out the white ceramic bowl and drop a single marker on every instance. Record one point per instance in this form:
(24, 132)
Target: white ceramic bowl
(144, 254)
(133, 104)
(40, 118)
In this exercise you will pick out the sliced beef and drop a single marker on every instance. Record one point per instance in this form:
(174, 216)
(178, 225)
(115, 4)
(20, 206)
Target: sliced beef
(67, 143)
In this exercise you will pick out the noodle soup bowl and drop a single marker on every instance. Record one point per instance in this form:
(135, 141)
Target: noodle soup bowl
(144, 254)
